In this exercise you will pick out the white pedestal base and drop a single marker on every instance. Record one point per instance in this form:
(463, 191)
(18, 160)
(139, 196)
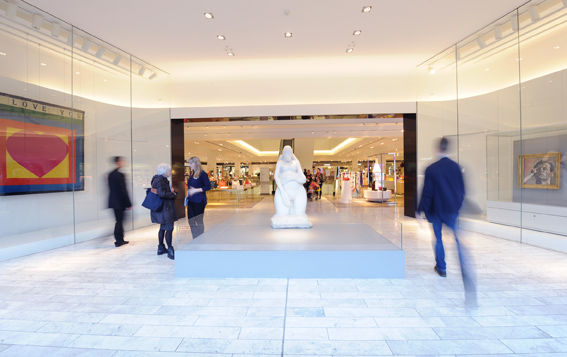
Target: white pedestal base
(291, 221)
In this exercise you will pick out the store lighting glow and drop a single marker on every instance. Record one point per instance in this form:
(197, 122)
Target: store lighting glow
(254, 150)
(230, 54)
(288, 34)
(366, 9)
(335, 149)
(221, 37)
(349, 50)
(43, 64)
(2, 53)
(209, 15)
(357, 32)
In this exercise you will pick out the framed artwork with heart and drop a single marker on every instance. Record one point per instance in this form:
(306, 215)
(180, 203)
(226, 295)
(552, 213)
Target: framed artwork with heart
(41, 147)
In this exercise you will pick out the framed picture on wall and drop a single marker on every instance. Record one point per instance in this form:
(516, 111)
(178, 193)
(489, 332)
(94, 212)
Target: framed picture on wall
(41, 147)
(541, 171)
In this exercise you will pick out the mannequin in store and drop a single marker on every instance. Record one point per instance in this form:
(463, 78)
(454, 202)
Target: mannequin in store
(290, 198)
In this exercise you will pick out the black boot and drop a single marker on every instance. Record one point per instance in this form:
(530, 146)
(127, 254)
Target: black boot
(161, 249)
(171, 253)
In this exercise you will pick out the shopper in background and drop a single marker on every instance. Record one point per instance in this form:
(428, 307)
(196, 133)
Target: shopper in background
(320, 179)
(118, 200)
(196, 198)
(442, 197)
(166, 216)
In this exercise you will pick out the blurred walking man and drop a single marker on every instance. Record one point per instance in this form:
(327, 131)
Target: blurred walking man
(118, 200)
(442, 197)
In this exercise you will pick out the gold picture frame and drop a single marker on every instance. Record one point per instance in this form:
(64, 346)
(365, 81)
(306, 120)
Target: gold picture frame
(541, 171)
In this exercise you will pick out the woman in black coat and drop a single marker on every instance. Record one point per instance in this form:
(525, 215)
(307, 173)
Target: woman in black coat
(166, 216)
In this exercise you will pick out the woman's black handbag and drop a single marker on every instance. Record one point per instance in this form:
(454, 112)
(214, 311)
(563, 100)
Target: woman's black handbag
(152, 201)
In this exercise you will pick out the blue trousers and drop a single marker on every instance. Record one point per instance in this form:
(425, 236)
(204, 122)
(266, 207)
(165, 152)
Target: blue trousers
(467, 271)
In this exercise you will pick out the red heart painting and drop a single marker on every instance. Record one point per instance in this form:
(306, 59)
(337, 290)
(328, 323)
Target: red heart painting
(38, 153)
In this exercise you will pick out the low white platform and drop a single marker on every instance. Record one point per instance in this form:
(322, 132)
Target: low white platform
(245, 246)
(377, 196)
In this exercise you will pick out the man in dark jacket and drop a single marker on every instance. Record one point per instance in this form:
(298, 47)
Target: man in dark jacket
(442, 197)
(118, 199)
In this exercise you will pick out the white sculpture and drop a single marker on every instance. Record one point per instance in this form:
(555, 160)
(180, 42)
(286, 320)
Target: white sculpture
(290, 199)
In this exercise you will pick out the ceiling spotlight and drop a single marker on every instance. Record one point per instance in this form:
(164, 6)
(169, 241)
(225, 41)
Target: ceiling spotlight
(77, 72)
(11, 9)
(117, 60)
(43, 64)
(100, 52)
(230, 54)
(480, 42)
(55, 29)
(221, 37)
(534, 14)
(288, 34)
(153, 76)
(37, 21)
(2, 53)
(431, 70)
(556, 47)
(366, 9)
(349, 50)
(498, 33)
(209, 15)
(86, 45)
(142, 70)
(357, 32)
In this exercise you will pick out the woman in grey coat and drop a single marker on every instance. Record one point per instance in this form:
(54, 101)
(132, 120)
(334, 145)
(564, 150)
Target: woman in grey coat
(166, 216)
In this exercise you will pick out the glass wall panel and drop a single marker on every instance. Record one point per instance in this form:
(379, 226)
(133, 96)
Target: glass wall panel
(437, 107)
(66, 108)
(512, 123)
(102, 92)
(543, 146)
(489, 120)
(150, 121)
(36, 140)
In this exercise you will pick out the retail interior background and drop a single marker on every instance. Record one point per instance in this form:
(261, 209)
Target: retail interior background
(504, 85)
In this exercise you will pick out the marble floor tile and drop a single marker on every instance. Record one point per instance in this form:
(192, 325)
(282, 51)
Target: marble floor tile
(91, 299)
(39, 351)
(126, 343)
(252, 347)
(445, 346)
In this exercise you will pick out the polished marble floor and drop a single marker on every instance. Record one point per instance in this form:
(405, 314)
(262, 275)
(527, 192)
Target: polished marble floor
(93, 299)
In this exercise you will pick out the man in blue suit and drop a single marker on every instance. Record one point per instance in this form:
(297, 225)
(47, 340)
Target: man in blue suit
(442, 197)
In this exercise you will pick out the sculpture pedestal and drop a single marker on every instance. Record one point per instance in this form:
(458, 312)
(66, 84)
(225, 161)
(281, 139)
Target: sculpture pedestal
(291, 221)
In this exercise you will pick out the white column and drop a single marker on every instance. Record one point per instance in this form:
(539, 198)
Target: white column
(304, 152)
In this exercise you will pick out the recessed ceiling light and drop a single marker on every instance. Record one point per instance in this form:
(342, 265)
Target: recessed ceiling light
(77, 72)
(221, 37)
(372, 147)
(349, 50)
(105, 80)
(220, 150)
(43, 64)
(209, 15)
(556, 47)
(230, 54)
(366, 9)
(487, 69)
(357, 32)
(381, 143)
(288, 34)
(2, 53)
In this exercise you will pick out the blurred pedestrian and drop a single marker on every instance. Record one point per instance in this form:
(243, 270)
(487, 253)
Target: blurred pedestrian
(118, 199)
(442, 197)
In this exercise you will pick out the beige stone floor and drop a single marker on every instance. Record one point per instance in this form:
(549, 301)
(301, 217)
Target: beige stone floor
(93, 299)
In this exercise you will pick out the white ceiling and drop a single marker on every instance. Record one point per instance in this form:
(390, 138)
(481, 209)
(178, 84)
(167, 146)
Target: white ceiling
(175, 36)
